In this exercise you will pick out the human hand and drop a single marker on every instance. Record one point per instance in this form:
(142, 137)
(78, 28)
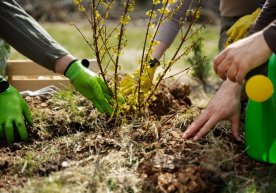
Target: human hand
(225, 105)
(90, 85)
(241, 27)
(129, 81)
(235, 61)
(14, 112)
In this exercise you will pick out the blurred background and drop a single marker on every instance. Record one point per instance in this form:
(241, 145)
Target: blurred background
(64, 10)
(57, 18)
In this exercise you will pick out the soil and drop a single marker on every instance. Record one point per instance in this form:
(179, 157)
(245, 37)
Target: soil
(70, 135)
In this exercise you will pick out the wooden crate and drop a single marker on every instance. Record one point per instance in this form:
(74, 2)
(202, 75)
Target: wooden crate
(27, 75)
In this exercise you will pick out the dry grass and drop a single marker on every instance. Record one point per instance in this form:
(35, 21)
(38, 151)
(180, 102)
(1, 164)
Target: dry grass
(72, 148)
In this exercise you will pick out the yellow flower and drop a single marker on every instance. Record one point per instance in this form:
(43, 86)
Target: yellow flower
(155, 2)
(77, 2)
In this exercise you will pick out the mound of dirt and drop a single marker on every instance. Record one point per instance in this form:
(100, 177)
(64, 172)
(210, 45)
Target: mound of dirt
(170, 99)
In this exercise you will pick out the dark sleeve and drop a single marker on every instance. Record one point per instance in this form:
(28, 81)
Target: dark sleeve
(29, 38)
(267, 22)
(170, 28)
(270, 36)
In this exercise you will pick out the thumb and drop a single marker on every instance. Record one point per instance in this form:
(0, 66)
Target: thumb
(27, 113)
(235, 121)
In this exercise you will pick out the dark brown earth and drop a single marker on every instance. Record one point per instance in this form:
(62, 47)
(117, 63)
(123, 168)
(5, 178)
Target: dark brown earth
(68, 130)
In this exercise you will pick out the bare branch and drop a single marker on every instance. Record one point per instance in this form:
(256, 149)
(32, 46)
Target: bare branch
(85, 39)
(143, 55)
(121, 34)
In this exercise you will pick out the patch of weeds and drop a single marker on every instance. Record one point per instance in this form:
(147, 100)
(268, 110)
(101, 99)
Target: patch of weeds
(98, 174)
(112, 185)
(27, 164)
(64, 113)
(199, 62)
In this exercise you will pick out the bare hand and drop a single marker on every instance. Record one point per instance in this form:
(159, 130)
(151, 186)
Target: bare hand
(225, 105)
(242, 56)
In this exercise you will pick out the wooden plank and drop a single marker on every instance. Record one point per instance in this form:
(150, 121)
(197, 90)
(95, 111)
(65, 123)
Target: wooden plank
(33, 85)
(27, 68)
(30, 68)
(27, 75)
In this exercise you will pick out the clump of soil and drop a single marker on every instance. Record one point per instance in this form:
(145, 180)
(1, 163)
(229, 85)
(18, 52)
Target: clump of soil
(176, 167)
(170, 99)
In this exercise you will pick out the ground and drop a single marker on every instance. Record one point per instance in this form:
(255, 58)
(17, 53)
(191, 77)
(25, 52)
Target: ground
(73, 148)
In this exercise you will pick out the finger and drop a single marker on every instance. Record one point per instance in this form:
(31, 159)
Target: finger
(128, 80)
(27, 113)
(239, 36)
(231, 31)
(231, 73)
(96, 104)
(127, 84)
(240, 77)
(218, 59)
(195, 126)
(235, 127)
(223, 67)
(104, 89)
(2, 132)
(101, 102)
(21, 129)
(8, 126)
(96, 95)
(234, 33)
(206, 128)
(107, 107)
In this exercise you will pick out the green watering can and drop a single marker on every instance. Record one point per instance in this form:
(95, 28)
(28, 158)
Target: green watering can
(260, 122)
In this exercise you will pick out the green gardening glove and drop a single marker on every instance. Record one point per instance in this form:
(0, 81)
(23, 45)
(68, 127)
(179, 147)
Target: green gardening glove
(241, 27)
(14, 112)
(90, 85)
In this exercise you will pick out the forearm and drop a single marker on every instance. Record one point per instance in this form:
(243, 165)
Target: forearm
(159, 50)
(170, 28)
(28, 37)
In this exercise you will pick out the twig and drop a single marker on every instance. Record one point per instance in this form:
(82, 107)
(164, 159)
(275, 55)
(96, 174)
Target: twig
(88, 43)
(143, 54)
(122, 31)
(95, 38)
(186, 69)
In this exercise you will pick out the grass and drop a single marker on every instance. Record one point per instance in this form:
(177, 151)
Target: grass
(76, 151)
(79, 152)
(67, 35)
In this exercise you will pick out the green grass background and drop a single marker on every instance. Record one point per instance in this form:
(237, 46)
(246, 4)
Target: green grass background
(69, 37)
